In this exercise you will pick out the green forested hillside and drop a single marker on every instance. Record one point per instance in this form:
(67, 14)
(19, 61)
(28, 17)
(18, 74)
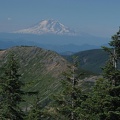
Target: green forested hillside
(41, 69)
(91, 60)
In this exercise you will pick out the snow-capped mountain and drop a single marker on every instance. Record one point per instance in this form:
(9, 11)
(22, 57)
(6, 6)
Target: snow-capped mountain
(48, 27)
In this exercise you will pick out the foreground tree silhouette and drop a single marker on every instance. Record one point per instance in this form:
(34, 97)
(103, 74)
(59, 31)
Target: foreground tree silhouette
(11, 93)
(111, 72)
(103, 102)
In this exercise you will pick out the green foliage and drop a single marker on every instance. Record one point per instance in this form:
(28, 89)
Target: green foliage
(112, 74)
(88, 59)
(40, 70)
(104, 101)
(35, 112)
(67, 102)
(94, 105)
(11, 93)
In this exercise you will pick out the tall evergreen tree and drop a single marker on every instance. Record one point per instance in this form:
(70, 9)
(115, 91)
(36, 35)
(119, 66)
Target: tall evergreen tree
(111, 69)
(111, 72)
(104, 101)
(93, 107)
(69, 99)
(11, 93)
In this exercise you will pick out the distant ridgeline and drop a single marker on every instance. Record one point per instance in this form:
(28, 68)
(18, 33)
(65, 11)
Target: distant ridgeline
(91, 60)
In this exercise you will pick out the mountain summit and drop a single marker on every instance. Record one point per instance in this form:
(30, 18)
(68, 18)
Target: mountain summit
(48, 27)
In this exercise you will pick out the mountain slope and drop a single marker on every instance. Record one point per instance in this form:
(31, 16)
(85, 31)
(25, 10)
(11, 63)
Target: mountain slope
(91, 60)
(48, 27)
(40, 69)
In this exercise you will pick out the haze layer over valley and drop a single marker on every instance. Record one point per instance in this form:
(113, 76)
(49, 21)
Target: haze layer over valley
(52, 35)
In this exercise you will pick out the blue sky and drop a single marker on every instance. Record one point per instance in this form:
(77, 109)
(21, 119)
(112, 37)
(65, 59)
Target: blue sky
(96, 17)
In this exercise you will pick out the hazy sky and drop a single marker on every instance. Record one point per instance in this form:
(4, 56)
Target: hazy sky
(97, 17)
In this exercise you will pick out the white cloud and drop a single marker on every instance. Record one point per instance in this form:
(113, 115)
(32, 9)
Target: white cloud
(9, 18)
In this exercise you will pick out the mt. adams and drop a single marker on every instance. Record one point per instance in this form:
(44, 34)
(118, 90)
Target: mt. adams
(48, 27)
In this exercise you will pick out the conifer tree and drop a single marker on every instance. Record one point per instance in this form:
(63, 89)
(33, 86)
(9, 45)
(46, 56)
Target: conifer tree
(35, 112)
(112, 74)
(104, 101)
(11, 93)
(93, 107)
(70, 98)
